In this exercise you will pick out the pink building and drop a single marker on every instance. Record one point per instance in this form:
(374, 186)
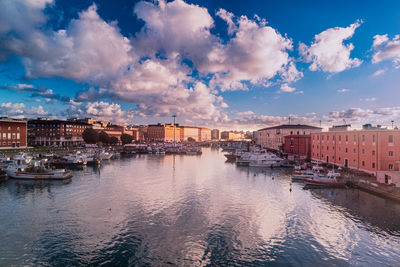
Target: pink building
(374, 151)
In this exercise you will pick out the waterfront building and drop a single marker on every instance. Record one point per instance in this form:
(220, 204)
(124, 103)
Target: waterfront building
(298, 145)
(274, 137)
(13, 133)
(191, 132)
(372, 150)
(60, 133)
(164, 132)
(204, 134)
(232, 135)
(215, 134)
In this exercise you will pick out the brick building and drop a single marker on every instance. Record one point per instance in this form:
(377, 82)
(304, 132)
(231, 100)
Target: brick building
(274, 137)
(13, 133)
(375, 151)
(59, 133)
(215, 134)
(298, 145)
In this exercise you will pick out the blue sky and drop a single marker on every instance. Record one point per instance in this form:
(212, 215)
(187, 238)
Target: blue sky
(226, 64)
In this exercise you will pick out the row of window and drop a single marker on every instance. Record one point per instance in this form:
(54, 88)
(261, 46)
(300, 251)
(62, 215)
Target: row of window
(390, 138)
(8, 135)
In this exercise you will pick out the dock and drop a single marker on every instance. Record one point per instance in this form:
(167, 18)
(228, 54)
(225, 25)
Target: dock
(385, 191)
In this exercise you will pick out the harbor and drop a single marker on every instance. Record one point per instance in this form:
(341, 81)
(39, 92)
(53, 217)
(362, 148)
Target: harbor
(206, 212)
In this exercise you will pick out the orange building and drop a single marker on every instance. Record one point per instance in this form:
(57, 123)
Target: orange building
(376, 151)
(164, 132)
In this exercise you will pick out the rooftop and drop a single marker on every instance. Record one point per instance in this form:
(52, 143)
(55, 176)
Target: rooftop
(291, 126)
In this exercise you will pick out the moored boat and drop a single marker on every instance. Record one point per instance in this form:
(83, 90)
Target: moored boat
(19, 169)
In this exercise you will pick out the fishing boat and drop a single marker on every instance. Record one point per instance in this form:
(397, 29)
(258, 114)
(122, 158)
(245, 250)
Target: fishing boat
(20, 169)
(329, 180)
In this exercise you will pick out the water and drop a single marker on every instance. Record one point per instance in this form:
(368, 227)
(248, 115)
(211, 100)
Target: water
(192, 211)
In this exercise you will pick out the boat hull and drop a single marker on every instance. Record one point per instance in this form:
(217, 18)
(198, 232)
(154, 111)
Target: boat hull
(323, 183)
(39, 176)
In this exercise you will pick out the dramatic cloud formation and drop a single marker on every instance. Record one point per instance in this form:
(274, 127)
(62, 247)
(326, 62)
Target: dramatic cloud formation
(386, 49)
(328, 53)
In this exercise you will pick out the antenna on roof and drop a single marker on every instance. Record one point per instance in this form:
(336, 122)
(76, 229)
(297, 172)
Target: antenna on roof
(392, 124)
(320, 123)
(289, 119)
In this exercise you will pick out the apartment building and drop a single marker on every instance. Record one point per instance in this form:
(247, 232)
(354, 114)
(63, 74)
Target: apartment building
(215, 134)
(375, 151)
(189, 133)
(13, 133)
(204, 134)
(164, 132)
(60, 133)
(274, 137)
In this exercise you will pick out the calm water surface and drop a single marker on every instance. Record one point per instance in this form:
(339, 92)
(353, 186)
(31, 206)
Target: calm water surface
(192, 211)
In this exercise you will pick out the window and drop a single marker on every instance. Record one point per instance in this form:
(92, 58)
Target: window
(327, 137)
(327, 147)
(291, 132)
(354, 138)
(322, 137)
(373, 139)
(9, 136)
(347, 138)
(390, 166)
(373, 152)
(9, 128)
(13, 136)
(340, 138)
(373, 165)
(354, 162)
(346, 150)
(363, 138)
(363, 163)
(390, 153)
(18, 129)
(390, 138)
(298, 132)
(363, 151)
(354, 150)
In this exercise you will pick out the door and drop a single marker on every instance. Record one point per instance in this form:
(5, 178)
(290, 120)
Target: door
(346, 163)
(327, 159)
(386, 179)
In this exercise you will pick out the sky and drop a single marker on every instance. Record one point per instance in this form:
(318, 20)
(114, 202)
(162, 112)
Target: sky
(219, 64)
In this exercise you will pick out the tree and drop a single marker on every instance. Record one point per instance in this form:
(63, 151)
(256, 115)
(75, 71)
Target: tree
(90, 136)
(113, 140)
(126, 139)
(104, 137)
(191, 139)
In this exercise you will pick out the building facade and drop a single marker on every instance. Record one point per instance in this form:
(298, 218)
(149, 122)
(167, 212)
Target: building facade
(13, 133)
(298, 145)
(58, 133)
(274, 137)
(373, 151)
(164, 133)
(189, 132)
(204, 134)
(232, 135)
(215, 134)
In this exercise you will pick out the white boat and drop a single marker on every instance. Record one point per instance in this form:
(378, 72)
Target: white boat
(104, 155)
(259, 160)
(325, 180)
(23, 156)
(20, 169)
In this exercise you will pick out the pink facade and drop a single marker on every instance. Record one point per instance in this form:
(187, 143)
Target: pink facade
(373, 151)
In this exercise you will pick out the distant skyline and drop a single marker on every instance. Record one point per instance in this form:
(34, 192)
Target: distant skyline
(220, 64)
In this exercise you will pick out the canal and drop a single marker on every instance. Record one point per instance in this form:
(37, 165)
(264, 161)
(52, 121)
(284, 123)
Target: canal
(192, 211)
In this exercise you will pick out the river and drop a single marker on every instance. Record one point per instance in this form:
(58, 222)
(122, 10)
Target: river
(192, 211)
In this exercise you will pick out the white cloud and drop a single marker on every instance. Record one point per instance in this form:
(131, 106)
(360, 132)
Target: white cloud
(286, 88)
(386, 49)
(368, 99)
(245, 113)
(343, 90)
(20, 110)
(378, 72)
(328, 53)
(101, 111)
